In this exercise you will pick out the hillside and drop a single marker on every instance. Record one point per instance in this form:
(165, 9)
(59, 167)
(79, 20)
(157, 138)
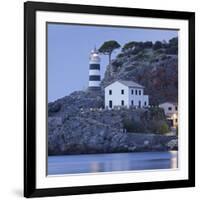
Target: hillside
(102, 131)
(153, 66)
(78, 123)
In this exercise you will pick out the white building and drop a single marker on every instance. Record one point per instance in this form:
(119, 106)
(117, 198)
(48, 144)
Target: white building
(125, 93)
(94, 70)
(171, 112)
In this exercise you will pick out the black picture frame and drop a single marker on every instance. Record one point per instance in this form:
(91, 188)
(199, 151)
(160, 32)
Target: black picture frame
(30, 9)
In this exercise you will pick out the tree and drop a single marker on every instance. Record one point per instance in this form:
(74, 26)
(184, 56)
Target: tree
(172, 46)
(157, 45)
(148, 44)
(173, 42)
(108, 47)
(129, 45)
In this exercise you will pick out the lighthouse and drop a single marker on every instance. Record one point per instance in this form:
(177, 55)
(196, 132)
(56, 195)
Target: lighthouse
(94, 70)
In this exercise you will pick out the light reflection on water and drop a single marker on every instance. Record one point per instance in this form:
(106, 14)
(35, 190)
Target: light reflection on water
(90, 163)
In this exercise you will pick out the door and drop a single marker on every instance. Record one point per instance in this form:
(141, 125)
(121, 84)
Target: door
(139, 104)
(110, 104)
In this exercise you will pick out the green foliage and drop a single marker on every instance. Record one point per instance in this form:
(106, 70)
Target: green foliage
(164, 128)
(148, 44)
(172, 46)
(154, 125)
(53, 108)
(133, 126)
(164, 57)
(177, 130)
(108, 47)
(156, 113)
(129, 45)
(120, 55)
(137, 45)
(172, 50)
(173, 41)
(142, 56)
(160, 51)
(158, 126)
(137, 50)
(157, 45)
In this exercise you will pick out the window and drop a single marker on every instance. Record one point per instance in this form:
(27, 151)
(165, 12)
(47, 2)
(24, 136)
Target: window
(145, 103)
(176, 108)
(122, 91)
(169, 108)
(110, 92)
(132, 91)
(139, 92)
(122, 102)
(135, 92)
(110, 104)
(132, 102)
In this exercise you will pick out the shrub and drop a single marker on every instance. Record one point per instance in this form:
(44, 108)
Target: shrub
(160, 51)
(163, 128)
(153, 126)
(173, 41)
(177, 130)
(120, 55)
(141, 56)
(54, 107)
(172, 50)
(172, 46)
(148, 44)
(156, 113)
(157, 45)
(164, 57)
(128, 46)
(133, 126)
(137, 50)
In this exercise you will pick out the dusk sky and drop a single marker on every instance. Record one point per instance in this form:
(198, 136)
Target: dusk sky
(69, 47)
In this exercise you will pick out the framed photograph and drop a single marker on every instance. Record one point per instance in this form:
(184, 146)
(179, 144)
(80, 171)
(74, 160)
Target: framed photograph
(109, 99)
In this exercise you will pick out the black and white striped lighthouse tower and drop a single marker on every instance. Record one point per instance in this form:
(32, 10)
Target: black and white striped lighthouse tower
(94, 70)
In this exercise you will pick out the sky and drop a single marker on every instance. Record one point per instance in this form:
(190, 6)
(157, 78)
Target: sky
(69, 47)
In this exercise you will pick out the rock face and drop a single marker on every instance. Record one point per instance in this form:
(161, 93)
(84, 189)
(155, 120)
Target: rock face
(78, 123)
(85, 130)
(75, 102)
(154, 69)
(79, 135)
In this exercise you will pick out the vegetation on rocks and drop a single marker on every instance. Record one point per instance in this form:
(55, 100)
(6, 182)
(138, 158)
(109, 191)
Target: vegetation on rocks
(153, 65)
(89, 129)
(108, 47)
(78, 123)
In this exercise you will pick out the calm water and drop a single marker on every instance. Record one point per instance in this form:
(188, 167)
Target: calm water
(112, 162)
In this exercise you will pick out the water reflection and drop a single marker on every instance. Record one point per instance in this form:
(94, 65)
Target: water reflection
(111, 162)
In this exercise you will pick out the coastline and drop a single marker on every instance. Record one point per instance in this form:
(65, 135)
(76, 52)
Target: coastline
(129, 143)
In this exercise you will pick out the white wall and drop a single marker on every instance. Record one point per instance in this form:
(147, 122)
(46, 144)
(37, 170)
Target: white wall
(11, 101)
(166, 105)
(136, 98)
(116, 96)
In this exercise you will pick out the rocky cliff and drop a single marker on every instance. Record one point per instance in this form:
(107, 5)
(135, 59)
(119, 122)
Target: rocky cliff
(78, 123)
(157, 70)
